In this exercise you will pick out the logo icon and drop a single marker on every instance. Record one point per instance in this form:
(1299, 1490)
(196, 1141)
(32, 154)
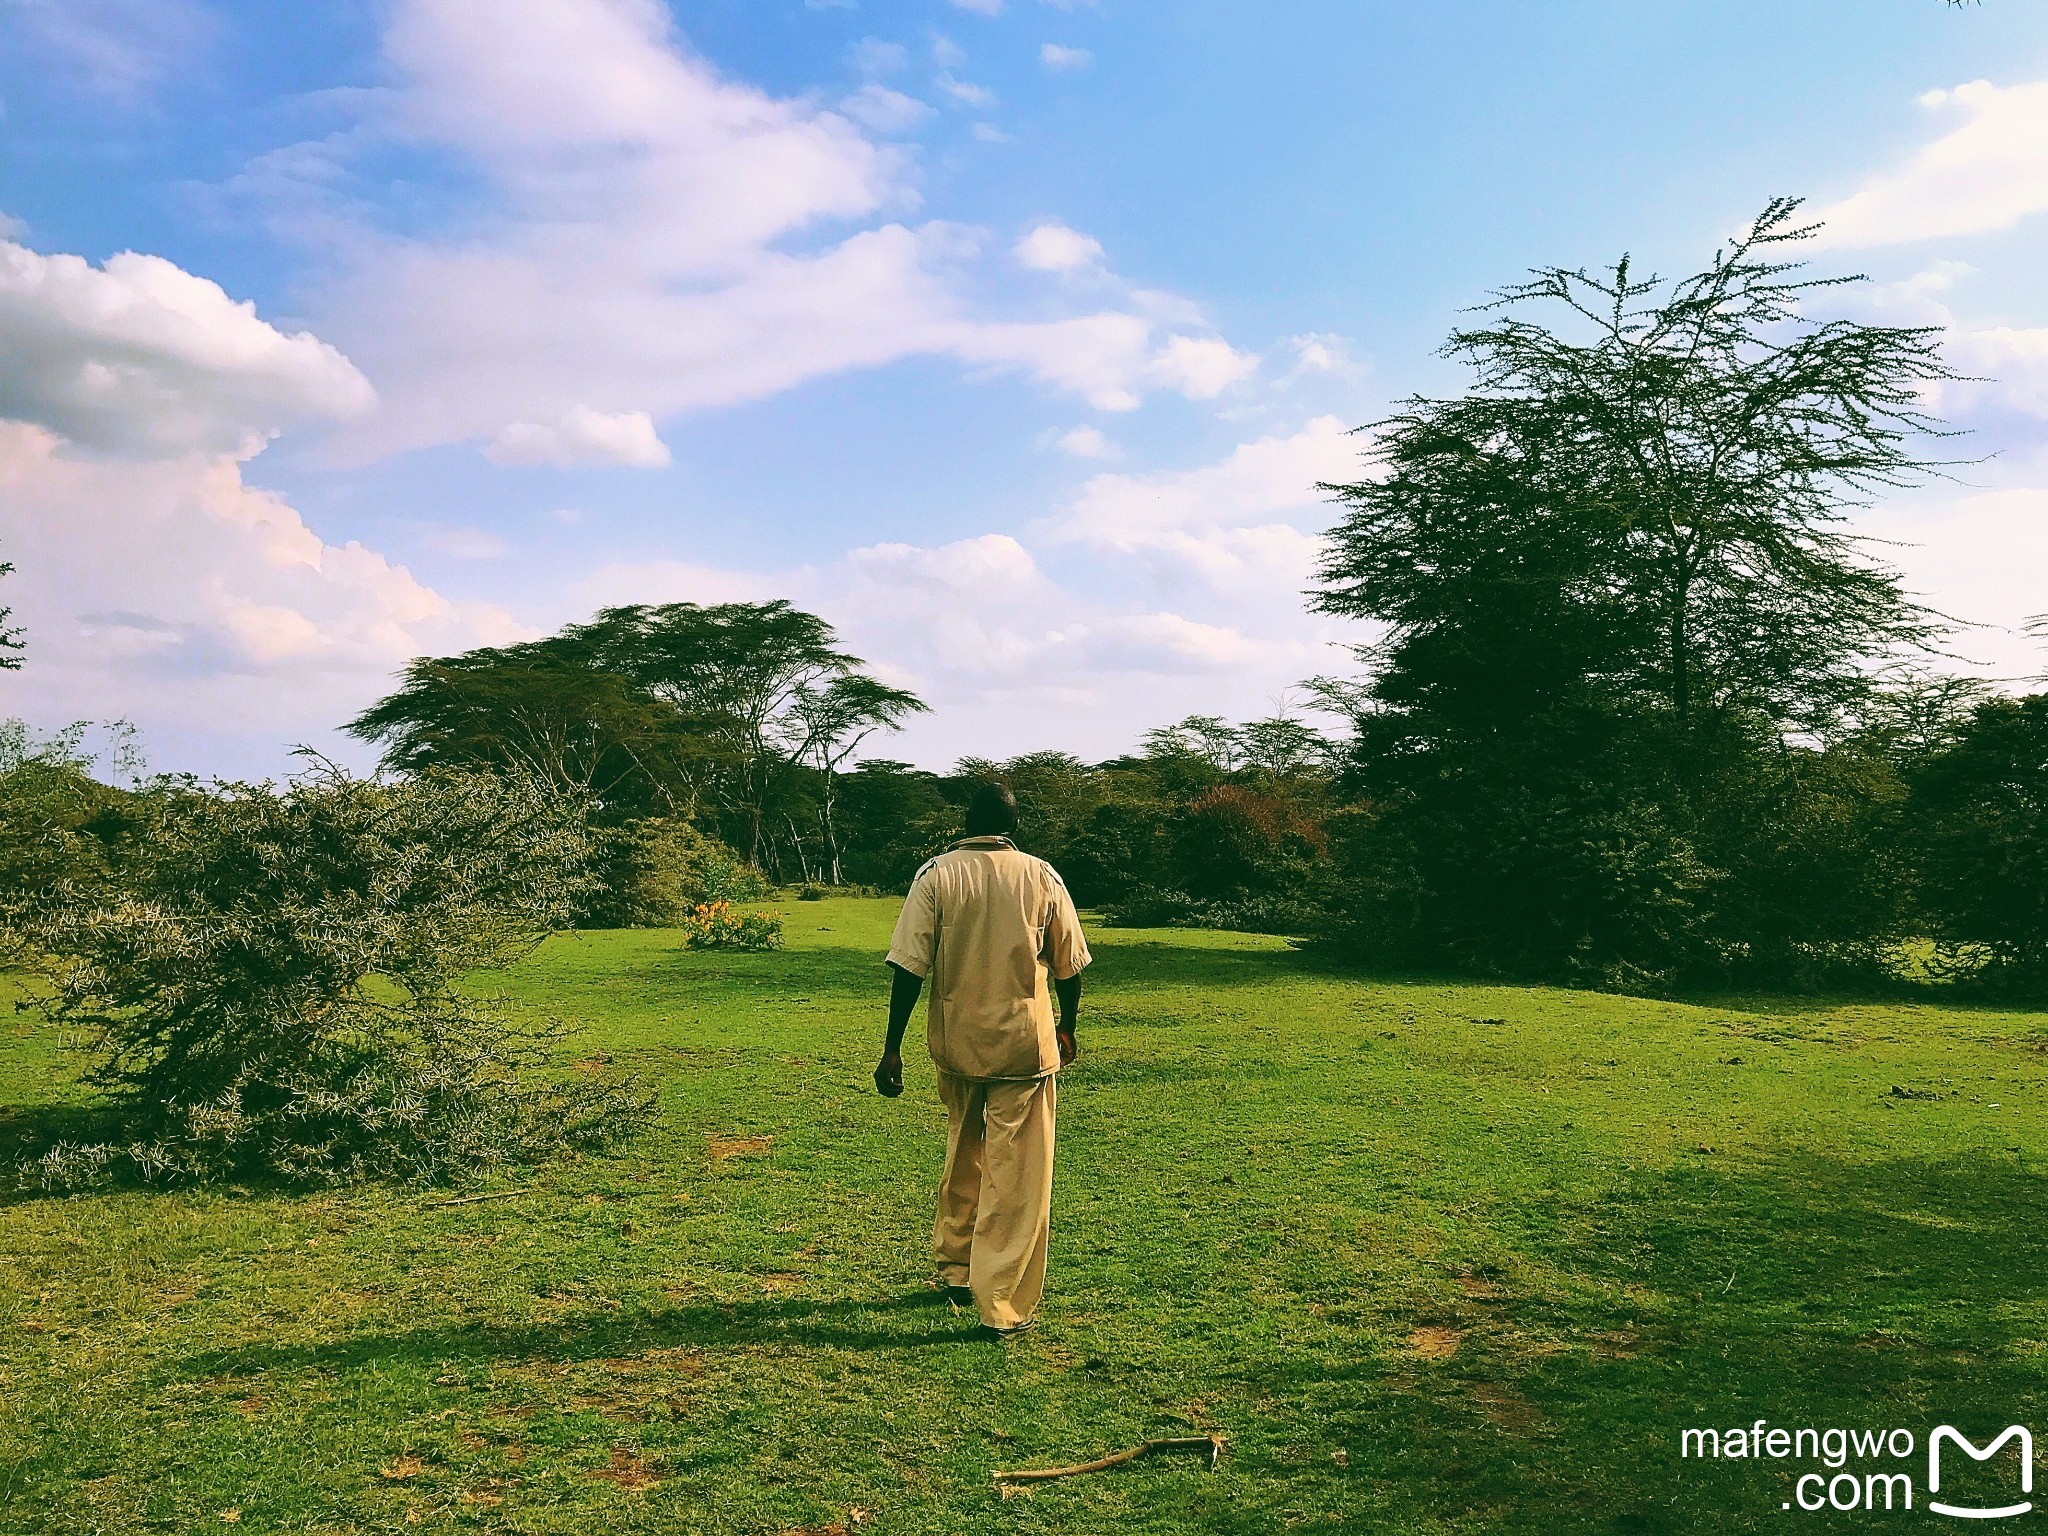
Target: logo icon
(1949, 1432)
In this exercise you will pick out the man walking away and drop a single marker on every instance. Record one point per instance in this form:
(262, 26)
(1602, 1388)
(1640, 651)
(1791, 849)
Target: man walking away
(987, 923)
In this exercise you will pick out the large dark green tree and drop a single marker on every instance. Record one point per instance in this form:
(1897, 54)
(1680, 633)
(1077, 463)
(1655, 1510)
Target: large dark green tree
(1611, 579)
(1655, 477)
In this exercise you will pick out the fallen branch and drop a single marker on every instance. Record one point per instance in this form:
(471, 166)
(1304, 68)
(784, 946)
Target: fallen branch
(1213, 1444)
(500, 1194)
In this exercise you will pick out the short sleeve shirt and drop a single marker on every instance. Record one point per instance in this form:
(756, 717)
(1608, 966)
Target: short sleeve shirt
(986, 925)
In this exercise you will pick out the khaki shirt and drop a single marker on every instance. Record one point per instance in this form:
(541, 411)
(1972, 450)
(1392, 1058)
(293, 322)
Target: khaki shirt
(986, 923)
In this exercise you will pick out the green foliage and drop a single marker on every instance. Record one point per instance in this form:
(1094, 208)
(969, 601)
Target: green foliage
(718, 925)
(1980, 818)
(1624, 720)
(268, 981)
(652, 873)
(739, 716)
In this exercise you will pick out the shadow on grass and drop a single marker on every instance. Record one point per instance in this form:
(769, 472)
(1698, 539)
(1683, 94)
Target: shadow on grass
(904, 1321)
(1806, 1291)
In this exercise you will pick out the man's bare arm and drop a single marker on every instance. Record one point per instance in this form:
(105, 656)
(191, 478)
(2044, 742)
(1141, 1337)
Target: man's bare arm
(1069, 994)
(903, 993)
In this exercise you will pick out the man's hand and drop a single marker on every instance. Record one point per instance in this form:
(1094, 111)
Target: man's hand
(889, 1075)
(1069, 1047)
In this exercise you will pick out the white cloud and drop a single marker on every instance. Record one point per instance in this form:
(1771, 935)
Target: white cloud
(979, 7)
(946, 53)
(2013, 362)
(1985, 174)
(174, 593)
(965, 92)
(1982, 557)
(142, 358)
(582, 438)
(883, 110)
(1148, 597)
(1320, 352)
(1059, 57)
(648, 236)
(1225, 522)
(1052, 247)
(1202, 367)
(989, 133)
(1083, 443)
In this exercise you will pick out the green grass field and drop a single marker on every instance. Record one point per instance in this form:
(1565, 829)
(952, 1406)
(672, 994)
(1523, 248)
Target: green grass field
(1431, 1257)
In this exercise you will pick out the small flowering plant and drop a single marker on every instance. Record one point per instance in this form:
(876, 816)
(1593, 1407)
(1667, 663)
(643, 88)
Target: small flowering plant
(716, 925)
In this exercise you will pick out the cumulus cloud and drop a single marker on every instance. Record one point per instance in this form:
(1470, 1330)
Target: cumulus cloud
(174, 593)
(1202, 367)
(1252, 517)
(652, 236)
(141, 358)
(583, 438)
(1986, 173)
(1056, 56)
(1052, 247)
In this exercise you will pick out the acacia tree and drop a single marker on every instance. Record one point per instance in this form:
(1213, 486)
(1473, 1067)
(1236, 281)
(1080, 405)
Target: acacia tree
(826, 725)
(1618, 590)
(1650, 498)
(542, 710)
(741, 669)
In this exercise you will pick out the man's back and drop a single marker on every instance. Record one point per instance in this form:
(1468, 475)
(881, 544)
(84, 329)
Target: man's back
(985, 922)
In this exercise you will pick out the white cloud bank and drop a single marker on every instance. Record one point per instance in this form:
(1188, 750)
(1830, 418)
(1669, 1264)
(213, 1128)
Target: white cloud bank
(1986, 173)
(173, 593)
(655, 238)
(152, 580)
(142, 358)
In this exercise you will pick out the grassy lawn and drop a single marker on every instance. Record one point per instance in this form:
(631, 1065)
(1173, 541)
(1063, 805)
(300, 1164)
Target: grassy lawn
(1431, 1257)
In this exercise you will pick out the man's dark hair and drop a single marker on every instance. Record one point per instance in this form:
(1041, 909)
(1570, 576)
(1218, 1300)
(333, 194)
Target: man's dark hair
(992, 812)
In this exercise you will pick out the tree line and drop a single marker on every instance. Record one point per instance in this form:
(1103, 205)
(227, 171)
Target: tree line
(1634, 707)
(1639, 708)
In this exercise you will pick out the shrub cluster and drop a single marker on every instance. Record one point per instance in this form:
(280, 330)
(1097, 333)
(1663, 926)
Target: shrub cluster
(269, 980)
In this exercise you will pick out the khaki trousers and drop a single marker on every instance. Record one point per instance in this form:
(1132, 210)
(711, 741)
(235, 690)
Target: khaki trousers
(995, 1202)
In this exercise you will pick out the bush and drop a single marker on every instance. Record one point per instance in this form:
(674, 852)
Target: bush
(715, 925)
(1151, 907)
(268, 983)
(1980, 816)
(652, 873)
(811, 892)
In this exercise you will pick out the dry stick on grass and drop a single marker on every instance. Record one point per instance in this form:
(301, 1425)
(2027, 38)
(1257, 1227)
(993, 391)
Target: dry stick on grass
(1213, 1444)
(499, 1194)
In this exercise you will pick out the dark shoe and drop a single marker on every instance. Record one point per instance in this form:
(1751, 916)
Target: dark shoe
(959, 1295)
(986, 1332)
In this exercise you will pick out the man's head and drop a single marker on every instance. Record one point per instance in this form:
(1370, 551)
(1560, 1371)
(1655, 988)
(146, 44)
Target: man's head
(992, 812)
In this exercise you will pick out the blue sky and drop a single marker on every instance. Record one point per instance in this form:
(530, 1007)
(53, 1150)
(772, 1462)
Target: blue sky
(1009, 335)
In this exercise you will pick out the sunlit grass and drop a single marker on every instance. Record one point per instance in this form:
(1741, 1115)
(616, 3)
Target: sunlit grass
(1432, 1257)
